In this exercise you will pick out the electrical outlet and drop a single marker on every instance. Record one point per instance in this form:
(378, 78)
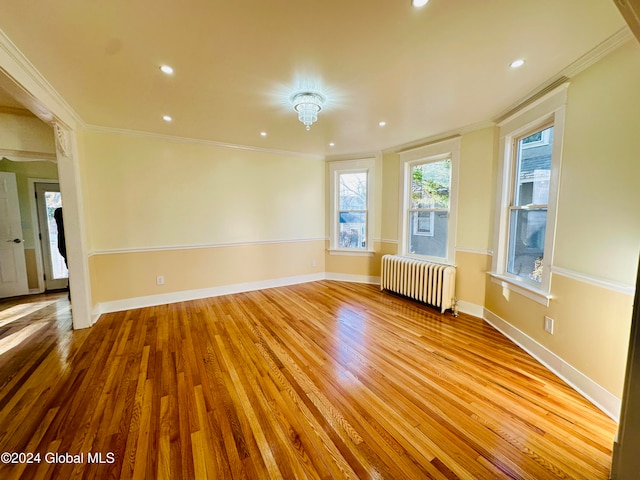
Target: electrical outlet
(160, 280)
(313, 263)
(548, 325)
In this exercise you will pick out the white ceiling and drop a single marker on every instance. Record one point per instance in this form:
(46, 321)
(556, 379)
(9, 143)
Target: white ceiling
(423, 71)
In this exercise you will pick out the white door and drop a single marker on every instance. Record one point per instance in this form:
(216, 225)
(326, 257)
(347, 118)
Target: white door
(13, 268)
(48, 199)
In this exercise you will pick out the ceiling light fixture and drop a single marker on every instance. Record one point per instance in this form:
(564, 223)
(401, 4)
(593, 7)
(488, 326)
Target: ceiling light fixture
(382, 124)
(419, 3)
(307, 104)
(263, 134)
(332, 144)
(517, 63)
(166, 69)
(167, 118)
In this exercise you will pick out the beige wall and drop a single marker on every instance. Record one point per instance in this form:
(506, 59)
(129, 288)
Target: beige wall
(477, 189)
(161, 197)
(599, 211)
(119, 276)
(598, 226)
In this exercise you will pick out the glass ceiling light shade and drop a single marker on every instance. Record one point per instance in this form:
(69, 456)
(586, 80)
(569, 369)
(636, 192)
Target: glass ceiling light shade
(307, 104)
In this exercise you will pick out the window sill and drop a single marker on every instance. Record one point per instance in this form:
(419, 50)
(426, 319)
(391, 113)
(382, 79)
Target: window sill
(352, 253)
(522, 288)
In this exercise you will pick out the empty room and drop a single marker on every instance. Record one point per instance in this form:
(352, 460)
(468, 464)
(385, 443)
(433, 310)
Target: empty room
(319, 239)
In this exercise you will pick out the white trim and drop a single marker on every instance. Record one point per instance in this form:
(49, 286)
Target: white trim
(599, 396)
(559, 89)
(440, 137)
(599, 51)
(26, 156)
(521, 288)
(23, 81)
(184, 296)
(353, 253)
(198, 141)
(548, 109)
(35, 89)
(337, 168)
(596, 281)
(470, 308)
(345, 277)
(163, 248)
(386, 240)
(473, 250)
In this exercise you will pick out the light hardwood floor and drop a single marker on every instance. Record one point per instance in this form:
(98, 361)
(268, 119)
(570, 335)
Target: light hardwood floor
(320, 380)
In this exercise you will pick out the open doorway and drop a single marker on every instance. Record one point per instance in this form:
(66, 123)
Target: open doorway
(48, 202)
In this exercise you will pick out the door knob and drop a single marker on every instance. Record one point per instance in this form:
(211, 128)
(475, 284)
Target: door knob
(15, 240)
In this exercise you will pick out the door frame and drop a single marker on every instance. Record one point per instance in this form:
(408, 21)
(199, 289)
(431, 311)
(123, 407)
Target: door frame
(36, 228)
(20, 79)
(50, 282)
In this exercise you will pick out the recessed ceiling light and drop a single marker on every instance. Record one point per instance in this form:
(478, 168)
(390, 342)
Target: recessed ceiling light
(382, 124)
(264, 134)
(419, 3)
(332, 144)
(166, 69)
(517, 63)
(167, 118)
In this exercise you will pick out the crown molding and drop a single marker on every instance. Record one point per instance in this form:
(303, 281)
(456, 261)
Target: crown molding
(440, 137)
(198, 141)
(601, 50)
(564, 76)
(28, 86)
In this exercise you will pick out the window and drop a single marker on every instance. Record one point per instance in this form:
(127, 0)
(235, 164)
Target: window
(428, 215)
(529, 204)
(531, 146)
(351, 186)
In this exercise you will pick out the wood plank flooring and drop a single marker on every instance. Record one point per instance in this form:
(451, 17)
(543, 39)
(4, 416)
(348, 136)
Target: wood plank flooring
(323, 380)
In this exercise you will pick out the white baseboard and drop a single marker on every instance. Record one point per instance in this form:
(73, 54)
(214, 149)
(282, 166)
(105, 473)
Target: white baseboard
(600, 397)
(345, 277)
(470, 308)
(174, 297)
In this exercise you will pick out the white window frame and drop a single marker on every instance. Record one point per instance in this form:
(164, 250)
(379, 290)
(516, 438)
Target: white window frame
(546, 111)
(337, 168)
(429, 153)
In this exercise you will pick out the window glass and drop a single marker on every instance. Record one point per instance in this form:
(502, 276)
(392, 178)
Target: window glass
(428, 216)
(352, 210)
(353, 191)
(528, 210)
(430, 184)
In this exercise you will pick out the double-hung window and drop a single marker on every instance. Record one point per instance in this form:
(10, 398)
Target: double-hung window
(531, 148)
(428, 215)
(351, 205)
(529, 204)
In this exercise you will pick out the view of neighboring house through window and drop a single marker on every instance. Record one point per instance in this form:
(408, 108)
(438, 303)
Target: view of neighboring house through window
(352, 210)
(529, 204)
(429, 204)
(429, 179)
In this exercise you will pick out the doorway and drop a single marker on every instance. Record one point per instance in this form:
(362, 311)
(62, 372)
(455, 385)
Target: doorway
(13, 272)
(48, 200)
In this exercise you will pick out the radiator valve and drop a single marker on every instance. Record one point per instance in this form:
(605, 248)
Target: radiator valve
(455, 307)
